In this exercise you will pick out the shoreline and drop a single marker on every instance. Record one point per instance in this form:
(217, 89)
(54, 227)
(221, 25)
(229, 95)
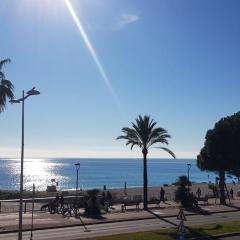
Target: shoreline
(153, 191)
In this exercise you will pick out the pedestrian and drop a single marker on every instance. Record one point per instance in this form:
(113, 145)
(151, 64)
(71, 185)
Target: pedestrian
(199, 192)
(103, 200)
(215, 192)
(162, 194)
(125, 188)
(109, 198)
(193, 199)
(61, 201)
(231, 193)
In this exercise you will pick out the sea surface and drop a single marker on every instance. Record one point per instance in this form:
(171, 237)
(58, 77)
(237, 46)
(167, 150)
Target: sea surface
(94, 173)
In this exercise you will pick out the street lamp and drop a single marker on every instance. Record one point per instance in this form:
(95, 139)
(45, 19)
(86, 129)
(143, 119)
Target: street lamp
(31, 92)
(77, 165)
(189, 166)
(33, 196)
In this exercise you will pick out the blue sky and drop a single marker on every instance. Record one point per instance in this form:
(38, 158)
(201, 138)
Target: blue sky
(177, 61)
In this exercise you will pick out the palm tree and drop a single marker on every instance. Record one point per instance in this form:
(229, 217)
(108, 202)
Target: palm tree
(6, 87)
(144, 134)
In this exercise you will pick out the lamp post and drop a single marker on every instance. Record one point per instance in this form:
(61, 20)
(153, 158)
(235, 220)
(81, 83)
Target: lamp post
(77, 165)
(31, 92)
(189, 166)
(33, 196)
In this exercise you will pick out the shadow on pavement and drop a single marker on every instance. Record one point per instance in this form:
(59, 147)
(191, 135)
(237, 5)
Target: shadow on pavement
(198, 210)
(233, 206)
(189, 232)
(98, 217)
(161, 218)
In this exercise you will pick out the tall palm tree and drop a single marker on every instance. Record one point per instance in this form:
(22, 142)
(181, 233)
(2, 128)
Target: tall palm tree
(144, 134)
(6, 87)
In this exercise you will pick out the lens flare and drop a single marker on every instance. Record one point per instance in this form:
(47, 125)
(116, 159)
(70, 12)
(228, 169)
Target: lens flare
(92, 51)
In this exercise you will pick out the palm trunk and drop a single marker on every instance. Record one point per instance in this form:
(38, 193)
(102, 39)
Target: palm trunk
(145, 180)
(221, 187)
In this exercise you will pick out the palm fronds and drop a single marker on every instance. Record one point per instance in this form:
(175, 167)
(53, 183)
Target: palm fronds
(144, 134)
(6, 87)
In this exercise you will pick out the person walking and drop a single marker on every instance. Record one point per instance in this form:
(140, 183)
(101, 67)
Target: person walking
(199, 192)
(109, 198)
(231, 193)
(162, 195)
(215, 192)
(61, 201)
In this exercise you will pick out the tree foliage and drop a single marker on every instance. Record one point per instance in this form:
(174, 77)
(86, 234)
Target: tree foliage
(92, 204)
(182, 193)
(144, 134)
(6, 87)
(221, 151)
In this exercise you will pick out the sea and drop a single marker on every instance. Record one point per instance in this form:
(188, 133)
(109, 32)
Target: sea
(95, 173)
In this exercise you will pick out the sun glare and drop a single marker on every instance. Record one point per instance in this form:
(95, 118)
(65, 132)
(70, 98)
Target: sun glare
(92, 51)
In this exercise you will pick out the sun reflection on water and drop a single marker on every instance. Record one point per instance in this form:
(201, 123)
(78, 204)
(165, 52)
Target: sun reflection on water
(38, 171)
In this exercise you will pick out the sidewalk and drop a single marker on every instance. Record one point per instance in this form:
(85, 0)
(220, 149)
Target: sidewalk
(43, 220)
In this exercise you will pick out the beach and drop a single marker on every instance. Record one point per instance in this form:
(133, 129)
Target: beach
(169, 190)
(120, 192)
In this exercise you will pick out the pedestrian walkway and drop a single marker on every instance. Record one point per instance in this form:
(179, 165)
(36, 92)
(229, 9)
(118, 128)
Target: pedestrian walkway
(9, 221)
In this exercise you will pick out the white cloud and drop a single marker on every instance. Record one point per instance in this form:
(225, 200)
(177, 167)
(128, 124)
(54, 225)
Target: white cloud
(126, 19)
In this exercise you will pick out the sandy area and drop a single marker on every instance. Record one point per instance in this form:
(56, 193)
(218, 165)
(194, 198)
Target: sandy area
(169, 190)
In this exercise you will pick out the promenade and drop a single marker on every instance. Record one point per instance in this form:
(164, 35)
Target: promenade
(45, 220)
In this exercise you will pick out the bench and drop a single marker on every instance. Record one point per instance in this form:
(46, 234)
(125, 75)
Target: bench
(135, 201)
(203, 199)
(129, 203)
(154, 201)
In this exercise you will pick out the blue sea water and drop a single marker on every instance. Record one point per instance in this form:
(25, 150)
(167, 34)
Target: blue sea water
(94, 173)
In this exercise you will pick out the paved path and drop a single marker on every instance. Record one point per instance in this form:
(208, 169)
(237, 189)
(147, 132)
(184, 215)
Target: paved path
(9, 221)
(71, 233)
(112, 223)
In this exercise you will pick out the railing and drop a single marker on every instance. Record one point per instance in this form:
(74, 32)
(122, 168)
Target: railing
(36, 200)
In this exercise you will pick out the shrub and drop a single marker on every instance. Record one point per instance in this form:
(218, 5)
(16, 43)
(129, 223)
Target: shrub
(182, 194)
(92, 205)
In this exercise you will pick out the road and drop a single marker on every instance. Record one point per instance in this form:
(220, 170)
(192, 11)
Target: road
(71, 233)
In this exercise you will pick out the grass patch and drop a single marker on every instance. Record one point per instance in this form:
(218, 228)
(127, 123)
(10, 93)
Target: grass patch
(171, 233)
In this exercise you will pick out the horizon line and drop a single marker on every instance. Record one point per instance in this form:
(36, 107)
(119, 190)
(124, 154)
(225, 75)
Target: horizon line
(108, 158)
